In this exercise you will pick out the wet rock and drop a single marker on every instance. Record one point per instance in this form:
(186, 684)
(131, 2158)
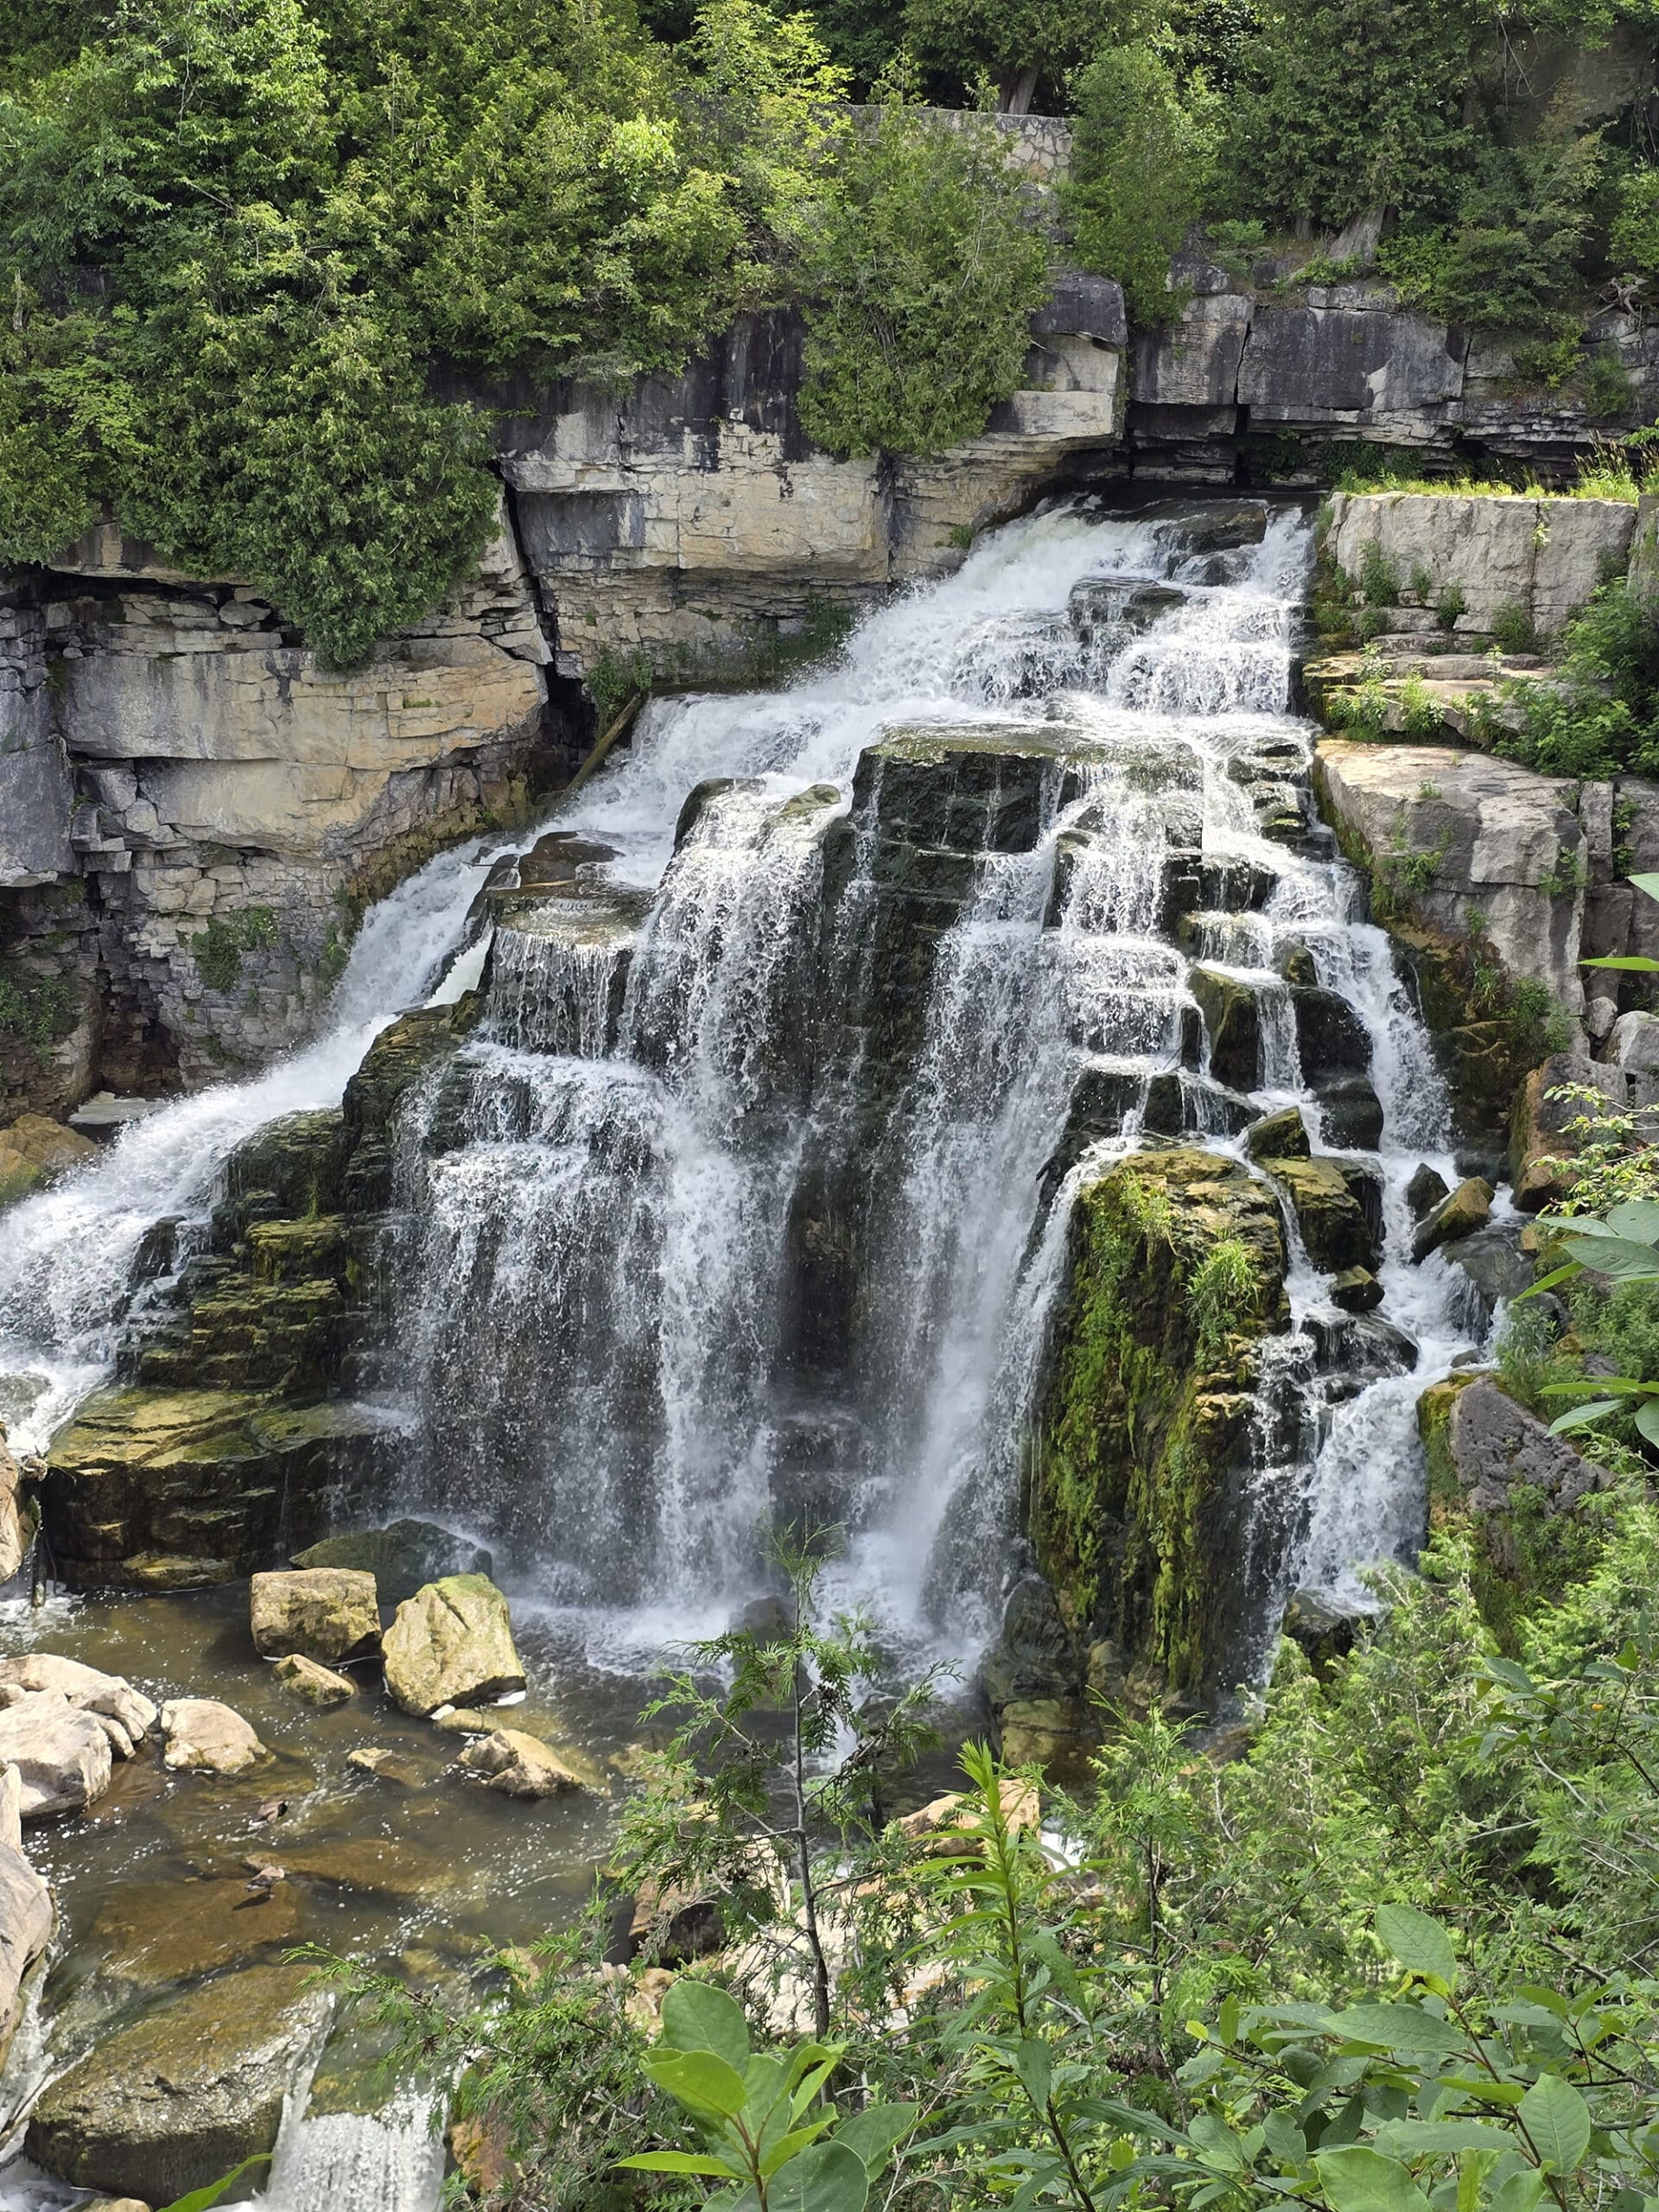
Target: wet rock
(1360, 1349)
(1495, 1264)
(1297, 965)
(1232, 1020)
(1324, 1628)
(311, 1684)
(451, 1643)
(1211, 525)
(1427, 1188)
(1331, 1038)
(27, 1919)
(208, 1738)
(379, 1867)
(61, 1754)
(402, 1556)
(1352, 1112)
(516, 1764)
(158, 1935)
(1059, 1735)
(1105, 606)
(1467, 1209)
(1331, 1217)
(35, 1151)
(387, 1765)
(19, 1516)
(1036, 1655)
(112, 1695)
(1356, 1290)
(1278, 1136)
(176, 2099)
(324, 1612)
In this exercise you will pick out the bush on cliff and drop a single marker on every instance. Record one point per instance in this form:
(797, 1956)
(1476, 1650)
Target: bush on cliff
(920, 277)
(1142, 158)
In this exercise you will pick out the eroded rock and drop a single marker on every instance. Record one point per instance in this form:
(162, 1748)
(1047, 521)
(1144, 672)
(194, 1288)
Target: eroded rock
(1460, 1214)
(205, 1736)
(112, 1695)
(516, 1764)
(313, 1684)
(323, 1612)
(451, 1643)
(172, 2100)
(62, 1754)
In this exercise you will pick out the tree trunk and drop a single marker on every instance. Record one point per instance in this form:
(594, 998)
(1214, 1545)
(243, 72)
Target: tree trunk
(1017, 91)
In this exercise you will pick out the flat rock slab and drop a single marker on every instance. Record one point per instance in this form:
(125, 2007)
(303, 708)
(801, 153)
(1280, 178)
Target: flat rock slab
(156, 1934)
(62, 1754)
(86, 1687)
(324, 1612)
(180, 2096)
(451, 1643)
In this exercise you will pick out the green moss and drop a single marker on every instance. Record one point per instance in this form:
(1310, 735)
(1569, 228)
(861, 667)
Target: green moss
(218, 947)
(1177, 1269)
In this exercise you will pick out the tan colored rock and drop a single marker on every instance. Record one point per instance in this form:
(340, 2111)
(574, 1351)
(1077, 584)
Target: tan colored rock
(207, 1737)
(517, 1765)
(110, 1695)
(34, 1151)
(1540, 1124)
(11, 1808)
(62, 1754)
(311, 1684)
(19, 1518)
(451, 1643)
(1466, 1210)
(941, 1826)
(324, 1612)
(27, 1919)
(388, 1765)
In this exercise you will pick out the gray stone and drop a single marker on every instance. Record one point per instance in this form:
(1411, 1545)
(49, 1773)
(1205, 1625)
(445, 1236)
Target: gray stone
(1545, 555)
(515, 1764)
(1427, 1188)
(1636, 1043)
(1466, 1210)
(1494, 1263)
(402, 1556)
(1599, 1016)
(1492, 1443)
(177, 2098)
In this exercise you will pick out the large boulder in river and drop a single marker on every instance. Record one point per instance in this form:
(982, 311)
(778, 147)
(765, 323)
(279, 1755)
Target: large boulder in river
(1330, 1212)
(26, 1923)
(403, 1556)
(19, 1516)
(110, 1695)
(208, 1737)
(518, 1765)
(1460, 1214)
(1141, 1483)
(61, 1754)
(34, 1150)
(313, 1684)
(451, 1643)
(180, 2096)
(325, 1612)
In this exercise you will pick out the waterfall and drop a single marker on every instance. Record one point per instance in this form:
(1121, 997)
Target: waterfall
(746, 1198)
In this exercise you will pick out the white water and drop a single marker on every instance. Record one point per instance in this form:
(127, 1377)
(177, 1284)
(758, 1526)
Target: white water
(598, 1270)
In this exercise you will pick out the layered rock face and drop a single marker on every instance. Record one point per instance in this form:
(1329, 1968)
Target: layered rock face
(191, 804)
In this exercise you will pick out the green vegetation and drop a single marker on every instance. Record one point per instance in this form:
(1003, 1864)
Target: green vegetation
(1601, 717)
(1141, 160)
(38, 1011)
(218, 947)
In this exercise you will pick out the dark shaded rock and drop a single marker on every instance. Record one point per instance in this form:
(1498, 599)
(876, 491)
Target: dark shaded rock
(1425, 1190)
(1211, 525)
(1232, 1021)
(1357, 1291)
(1332, 1221)
(1325, 1629)
(1331, 1038)
(177, 2098)
(1036, 1655)
(1496, 1265)
(1296, 965)
(1361, 1349)
(1465, 1210)
(1278, 1136)
(1352, 1112)
(402, 1556)
(1106, 607)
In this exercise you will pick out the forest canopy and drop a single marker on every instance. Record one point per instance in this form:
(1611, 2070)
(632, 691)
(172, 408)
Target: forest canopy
(253, 247)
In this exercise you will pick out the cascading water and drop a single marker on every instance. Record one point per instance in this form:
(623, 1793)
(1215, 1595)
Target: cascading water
(747, 1199)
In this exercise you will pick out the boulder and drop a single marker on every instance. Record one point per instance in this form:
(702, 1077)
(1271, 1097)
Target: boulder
(27, 1919)
(1495, 1265)
(61, 1754)
(1425, 1190)
(1330, 1216)
(112, 1695)
(516, 1764)
(1324, 1628)
(19, 1516)
(1352, 1111)
(1635, 1043)
(208, 1737)
(945, 1826)
(313, 1684)
(1480, 1444)
(1539, 1124)
(451, 1643)
(1467, 1209)
(11, 1808)
(388, 1765)
(34, 1151)
(324, 1612)
(1278, 1136)
(1355, 1290)
(1232, 1022)
(1331, 1040)
(403, 1556)
(173, 2100)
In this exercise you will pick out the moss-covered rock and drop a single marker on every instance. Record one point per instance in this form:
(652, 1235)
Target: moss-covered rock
(1138, 1488)
(1329, 1213)
(1232, 1021)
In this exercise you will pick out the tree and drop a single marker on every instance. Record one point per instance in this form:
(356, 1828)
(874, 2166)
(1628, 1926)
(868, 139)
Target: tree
(920, 277)
(1141, 156)
(1016, 45)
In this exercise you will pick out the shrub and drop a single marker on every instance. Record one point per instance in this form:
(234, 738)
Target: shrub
(218, 947)
(1379, 580)
(1141, 163)
(1449, 604)
(1513, 629)
(920, 275)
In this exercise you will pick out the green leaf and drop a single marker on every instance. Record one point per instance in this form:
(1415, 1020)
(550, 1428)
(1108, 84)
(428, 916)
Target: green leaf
(700, 2080)
(1440, 2138)
(1619, 1258)
(1583, 1416)
(1634, 963)
(698, 2016)
(1564, 1274)
(1406, 2028)
(679, 2161)
(828, 2178)
(773, 2155)
(1031, 2063)
(1521, 2192)
(199, 2200)
(1558, 2120)
(874, 2132)
(1358, 2180)
(1647, 1420)
(1648, 885)
(1420, 1944)
(1635, 1218)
